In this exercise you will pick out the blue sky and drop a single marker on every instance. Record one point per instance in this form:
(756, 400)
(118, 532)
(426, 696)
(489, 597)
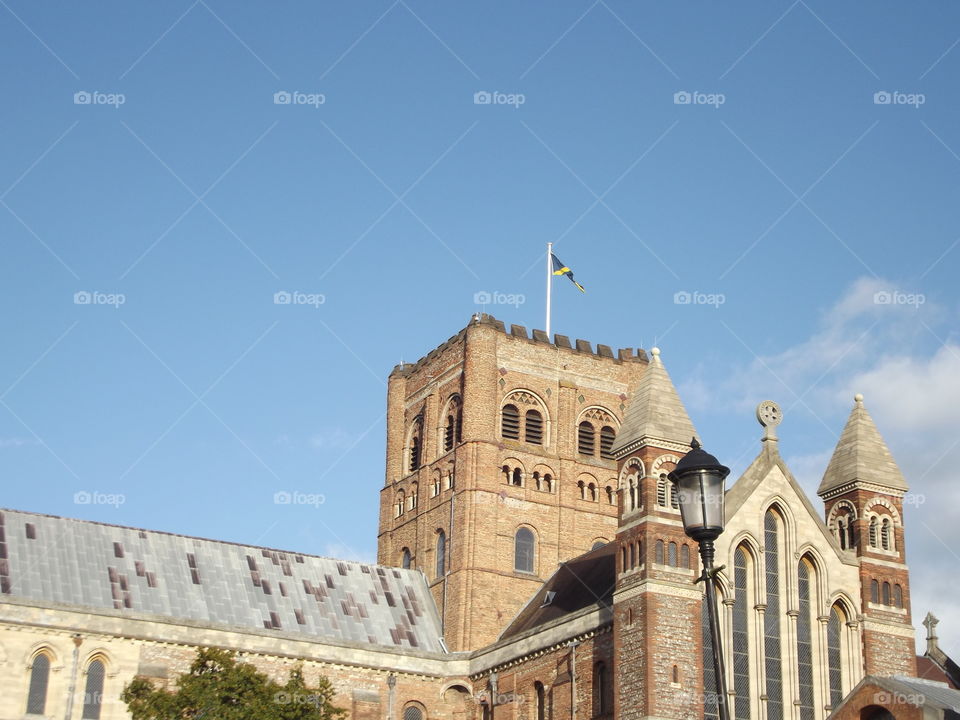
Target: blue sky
(788, 200)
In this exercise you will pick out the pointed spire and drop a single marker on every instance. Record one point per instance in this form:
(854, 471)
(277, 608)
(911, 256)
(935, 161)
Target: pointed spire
(861, 455)
(655, 415)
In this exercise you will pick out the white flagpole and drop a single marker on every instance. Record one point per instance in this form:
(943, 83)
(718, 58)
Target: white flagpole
(549, 283)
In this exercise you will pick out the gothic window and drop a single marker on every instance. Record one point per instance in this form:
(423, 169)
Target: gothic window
(415, 446)
(523, 550)
(886, 593)
(453, 425)
(873, 532)
(834, 627)
(441, 554)
(659, 553)
(885, 535)
(586, 440)
(533, 428)
(633, 495)
(601, 690)
(874, 591)
(898, 596)
(710, 711)
(39, 677)
(805, 588)
(672, 554)
(685, 556)
(405, 559)
(541, 700)
(510, 422)
(93, 694)
(771, 618)
(607, 436)
(741, 637)
(662, 490)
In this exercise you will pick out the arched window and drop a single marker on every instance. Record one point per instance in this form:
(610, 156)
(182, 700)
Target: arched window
(405, 559)
(672, 554)
(510, 422)
(415, 447)
(658, 558)
(611, 498)
(685, 557)
(771, 618)
(851, 537)
(548, 482)
(885, 535)
(400, 504)
(414, 497)
(593, 492)
(533, 428)
(805, 640)
(541, 694)
(662, 490)
(601, 690)
(524, 550)
(583, 489)
(597, 545)
(741, 637)
(675, 675)
(834, 627)
(517, 477)
(412, 712)
(607, 436)
(886, 593)
(586, 439)
(441, 554)
(842, 532)
(453, 423)
(898, 596)
(93, 695)
(874, 591)
(39, 678)
(633, 495)
(873, 531)
(633, 556)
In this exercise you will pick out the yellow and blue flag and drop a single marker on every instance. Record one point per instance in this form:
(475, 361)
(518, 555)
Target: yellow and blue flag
(560, 269)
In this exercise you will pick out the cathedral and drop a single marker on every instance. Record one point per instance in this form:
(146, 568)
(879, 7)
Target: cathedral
(532, 565)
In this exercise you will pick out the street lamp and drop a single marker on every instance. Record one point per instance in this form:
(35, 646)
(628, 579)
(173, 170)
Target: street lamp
(698, 482)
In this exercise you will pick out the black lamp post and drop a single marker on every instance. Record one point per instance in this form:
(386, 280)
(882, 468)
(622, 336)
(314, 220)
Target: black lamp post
(698, 481)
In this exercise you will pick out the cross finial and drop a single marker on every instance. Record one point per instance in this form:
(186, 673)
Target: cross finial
(930, 622)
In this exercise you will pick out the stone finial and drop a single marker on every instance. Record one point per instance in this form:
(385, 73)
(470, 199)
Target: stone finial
(655, 351)
(930, 622)
(858, 398)
(769, 415)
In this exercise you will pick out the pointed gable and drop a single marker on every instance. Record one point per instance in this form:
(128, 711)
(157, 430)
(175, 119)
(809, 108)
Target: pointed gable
(861, 455)
(655, 413)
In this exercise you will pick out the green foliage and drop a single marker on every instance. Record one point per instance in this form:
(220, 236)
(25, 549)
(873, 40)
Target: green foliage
(218, 687)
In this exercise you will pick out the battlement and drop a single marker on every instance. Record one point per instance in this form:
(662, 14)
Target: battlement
(519, 332)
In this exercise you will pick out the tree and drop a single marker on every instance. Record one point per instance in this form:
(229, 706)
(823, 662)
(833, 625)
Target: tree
(219, 687)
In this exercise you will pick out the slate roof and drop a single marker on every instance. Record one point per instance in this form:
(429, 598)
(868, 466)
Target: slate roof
(128, 570)
(655, 412)
(861, 454)
(578, 583)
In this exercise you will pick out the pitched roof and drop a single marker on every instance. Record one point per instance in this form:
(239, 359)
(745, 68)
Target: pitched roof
(861, 454)
(578, 583)
(128, 570)
(654, 412)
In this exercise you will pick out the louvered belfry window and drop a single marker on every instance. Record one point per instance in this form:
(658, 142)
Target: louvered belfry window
(510, 422)
(741, 638)
(586, 439)
(607, 436)
(771, 619)
(805, 642)
(834, 626)
(533, 428)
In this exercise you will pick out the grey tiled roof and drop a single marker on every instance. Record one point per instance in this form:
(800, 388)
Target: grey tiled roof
(94, 565)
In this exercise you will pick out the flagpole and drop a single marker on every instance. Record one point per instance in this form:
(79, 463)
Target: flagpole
(549, 283)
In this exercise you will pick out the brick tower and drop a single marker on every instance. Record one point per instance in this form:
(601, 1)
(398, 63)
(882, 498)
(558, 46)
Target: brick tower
(657, 609)
(499, 466)
(863, 492)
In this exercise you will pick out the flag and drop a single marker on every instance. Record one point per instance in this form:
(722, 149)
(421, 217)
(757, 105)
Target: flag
(560, 269)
